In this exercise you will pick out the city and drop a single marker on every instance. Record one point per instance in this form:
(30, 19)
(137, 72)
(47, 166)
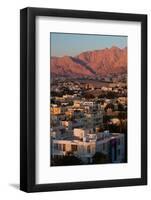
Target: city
(88, 120)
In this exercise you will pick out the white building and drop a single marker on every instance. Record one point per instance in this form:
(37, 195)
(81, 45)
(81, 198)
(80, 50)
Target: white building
(85, 144)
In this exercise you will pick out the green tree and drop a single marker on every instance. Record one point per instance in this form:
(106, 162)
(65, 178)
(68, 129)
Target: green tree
(66, 161)
(100, 158)
(110, 105)
(89, 96)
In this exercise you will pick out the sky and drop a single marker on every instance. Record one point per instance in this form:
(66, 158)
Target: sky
(71, 44)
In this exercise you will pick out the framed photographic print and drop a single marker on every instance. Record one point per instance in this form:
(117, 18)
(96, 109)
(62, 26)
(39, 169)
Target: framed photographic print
(83, 95)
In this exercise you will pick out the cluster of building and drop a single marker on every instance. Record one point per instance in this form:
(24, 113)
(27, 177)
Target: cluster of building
(76, 123)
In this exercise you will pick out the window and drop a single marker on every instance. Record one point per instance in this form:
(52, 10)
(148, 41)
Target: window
(55, 146)
(118, 152)
(64, 147)
(118, 141)
(73, 147)
(59, 147)
(88, 149)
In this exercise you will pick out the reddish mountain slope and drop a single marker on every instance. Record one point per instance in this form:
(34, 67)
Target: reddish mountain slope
(68, 66)
(91, 63)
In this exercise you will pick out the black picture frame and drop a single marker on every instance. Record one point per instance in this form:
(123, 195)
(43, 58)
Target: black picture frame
(28, 98)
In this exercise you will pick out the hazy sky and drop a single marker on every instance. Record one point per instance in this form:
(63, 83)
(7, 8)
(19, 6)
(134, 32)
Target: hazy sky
(72, 44)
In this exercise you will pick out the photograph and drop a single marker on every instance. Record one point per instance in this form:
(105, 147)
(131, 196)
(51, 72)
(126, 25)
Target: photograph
(83, 99)
(88, 99)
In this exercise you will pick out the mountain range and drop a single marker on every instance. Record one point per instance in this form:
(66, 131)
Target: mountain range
(102, 62)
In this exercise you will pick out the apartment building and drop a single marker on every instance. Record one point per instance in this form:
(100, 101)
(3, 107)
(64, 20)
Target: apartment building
(84, 143)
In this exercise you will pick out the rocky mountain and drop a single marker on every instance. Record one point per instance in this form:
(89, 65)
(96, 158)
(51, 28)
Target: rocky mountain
(91, 63)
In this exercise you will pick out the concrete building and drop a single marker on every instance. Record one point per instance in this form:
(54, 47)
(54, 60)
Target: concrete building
(84, 144)
(55, 110)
